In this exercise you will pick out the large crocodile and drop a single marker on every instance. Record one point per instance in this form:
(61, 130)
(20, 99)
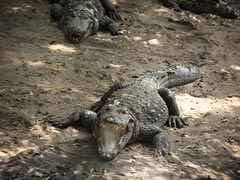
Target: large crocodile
(134, 111)
(80, 19)
(217, 7)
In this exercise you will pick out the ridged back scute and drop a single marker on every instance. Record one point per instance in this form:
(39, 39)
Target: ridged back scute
(175, 76)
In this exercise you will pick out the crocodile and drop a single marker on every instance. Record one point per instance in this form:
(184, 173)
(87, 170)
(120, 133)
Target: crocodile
(217, 7)
(80, 19)
(134, 111)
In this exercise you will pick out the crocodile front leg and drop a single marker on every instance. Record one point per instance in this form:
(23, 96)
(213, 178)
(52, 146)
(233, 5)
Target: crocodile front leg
(119, 85)
(110, 10)
(110, 25)
(157, 136)
(160, 144)
(174, 119)
(82, 117)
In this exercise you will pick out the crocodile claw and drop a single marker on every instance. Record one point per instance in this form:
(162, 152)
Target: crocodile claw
(176, 122)
(161, 152)
(115, 16)
(114, 29)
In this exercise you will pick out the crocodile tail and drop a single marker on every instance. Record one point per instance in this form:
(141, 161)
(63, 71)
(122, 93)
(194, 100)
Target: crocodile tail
(180, 75)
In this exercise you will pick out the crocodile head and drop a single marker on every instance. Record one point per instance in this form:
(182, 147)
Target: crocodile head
(114, 129)
(78, 28)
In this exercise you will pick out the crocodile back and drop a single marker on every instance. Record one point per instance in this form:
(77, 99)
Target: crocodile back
(143, 102)
(76, 7)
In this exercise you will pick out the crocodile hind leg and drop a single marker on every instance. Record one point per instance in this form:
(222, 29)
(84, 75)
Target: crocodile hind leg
(174, 119)
(157, 136)
(82, 117)
(110, 25)
(119, 85)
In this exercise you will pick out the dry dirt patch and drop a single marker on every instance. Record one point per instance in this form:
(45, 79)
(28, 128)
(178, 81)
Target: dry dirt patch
(43, 76)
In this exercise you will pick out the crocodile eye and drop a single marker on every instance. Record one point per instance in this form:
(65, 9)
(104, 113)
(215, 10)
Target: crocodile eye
(130, 125)
(90, 25)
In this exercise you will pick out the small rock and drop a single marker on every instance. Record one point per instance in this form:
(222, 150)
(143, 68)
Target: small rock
(153, 42)
(84, 162)
(48, 62)
(132, 170)
(137, 38)
(76, 172)
(38, 174)
(120, 174)
(91, 170)
(225, 120)
(185, 135)
(2, 154)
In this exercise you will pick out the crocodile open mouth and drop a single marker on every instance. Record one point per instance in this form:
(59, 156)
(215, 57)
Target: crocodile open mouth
(110, 137)
(75, 37)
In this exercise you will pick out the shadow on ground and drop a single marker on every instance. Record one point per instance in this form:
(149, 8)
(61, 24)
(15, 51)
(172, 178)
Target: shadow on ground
(43, 76)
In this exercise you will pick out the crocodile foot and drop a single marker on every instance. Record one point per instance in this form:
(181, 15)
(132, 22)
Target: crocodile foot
(161, 144)
(115, 16)
(161, 152)
(176, 122)
(113, 28)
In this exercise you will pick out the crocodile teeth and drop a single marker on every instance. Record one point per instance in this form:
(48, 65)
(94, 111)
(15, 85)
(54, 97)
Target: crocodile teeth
(73, 39)
(77, 40)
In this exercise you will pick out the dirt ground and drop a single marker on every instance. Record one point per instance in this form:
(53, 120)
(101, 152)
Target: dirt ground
(43, 76)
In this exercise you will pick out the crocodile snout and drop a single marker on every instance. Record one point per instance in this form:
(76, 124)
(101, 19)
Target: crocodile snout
(107, 156)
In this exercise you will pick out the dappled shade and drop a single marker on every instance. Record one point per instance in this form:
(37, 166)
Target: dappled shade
(43, 76)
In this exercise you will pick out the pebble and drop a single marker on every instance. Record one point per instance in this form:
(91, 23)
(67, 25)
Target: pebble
(153, 42)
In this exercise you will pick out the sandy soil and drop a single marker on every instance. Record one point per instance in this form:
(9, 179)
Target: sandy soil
(43, 76)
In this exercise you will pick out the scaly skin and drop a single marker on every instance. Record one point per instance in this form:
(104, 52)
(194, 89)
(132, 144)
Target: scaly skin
(134, 111)
(217, 7)
(80, 19)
